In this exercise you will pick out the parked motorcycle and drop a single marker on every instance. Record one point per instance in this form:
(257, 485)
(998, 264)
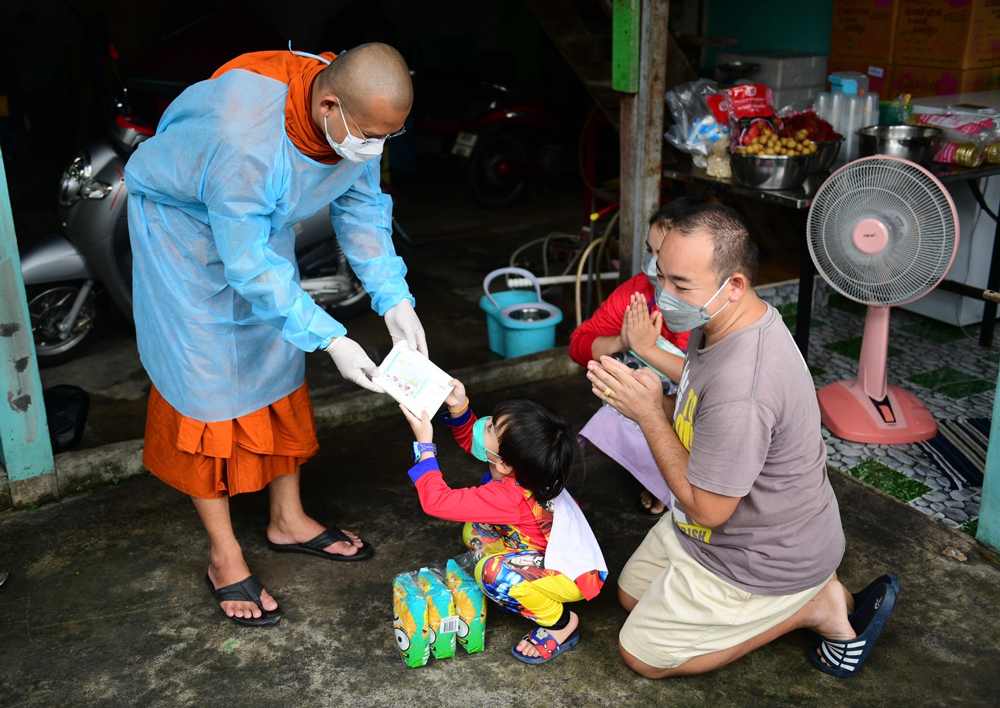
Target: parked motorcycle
(509, 143)
(74, 276)
(503, 141)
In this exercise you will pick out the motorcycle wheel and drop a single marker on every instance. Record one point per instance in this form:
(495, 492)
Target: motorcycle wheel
(489, 185)
(357, 301)
(48, 305)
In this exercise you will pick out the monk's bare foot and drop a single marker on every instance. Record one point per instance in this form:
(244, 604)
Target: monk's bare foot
(651, 503)
(227, 571)
(560, 635)
(304, 529)
(829, 611)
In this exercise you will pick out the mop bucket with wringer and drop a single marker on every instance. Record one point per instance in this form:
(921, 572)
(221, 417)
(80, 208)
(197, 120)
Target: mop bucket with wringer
(519, 322)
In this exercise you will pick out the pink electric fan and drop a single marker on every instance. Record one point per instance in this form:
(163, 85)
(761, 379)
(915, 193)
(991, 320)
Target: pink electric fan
(882, 231)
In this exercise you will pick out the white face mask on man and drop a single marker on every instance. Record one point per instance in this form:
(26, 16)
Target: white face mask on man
(353, 148)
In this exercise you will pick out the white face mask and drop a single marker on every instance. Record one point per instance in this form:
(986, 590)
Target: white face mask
(353, 148)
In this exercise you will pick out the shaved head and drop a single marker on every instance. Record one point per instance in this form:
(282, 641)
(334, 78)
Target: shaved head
(370, 78)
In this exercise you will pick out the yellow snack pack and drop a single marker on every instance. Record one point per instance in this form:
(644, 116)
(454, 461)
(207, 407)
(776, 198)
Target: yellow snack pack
(440, 613)
(409, 621)
(470, 604)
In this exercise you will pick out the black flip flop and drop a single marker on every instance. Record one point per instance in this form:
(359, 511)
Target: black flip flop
(247, 590)
(315, 547)
(645, 513)
(842, 658)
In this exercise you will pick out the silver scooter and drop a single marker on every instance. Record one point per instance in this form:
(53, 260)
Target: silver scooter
(71, 276)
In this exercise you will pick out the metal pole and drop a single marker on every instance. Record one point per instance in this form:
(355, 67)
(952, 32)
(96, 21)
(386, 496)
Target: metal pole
(989, 504)
(24, 434)
(642, 129)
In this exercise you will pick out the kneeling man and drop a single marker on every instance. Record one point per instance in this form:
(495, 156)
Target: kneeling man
(751, 546)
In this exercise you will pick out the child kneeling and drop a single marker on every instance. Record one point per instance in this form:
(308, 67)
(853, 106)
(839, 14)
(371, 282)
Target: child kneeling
(534, 546)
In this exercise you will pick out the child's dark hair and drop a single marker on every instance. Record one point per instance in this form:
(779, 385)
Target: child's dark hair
(670, 212)
(535, 441)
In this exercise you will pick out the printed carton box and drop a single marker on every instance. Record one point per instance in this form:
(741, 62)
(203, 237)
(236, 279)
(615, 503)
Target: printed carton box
(930, 81)
(863, 30)
(950, 34)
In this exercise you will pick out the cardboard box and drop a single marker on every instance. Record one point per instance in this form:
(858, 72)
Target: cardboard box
(950, 34)
(878, 74)
(863, 30)
(930, 81)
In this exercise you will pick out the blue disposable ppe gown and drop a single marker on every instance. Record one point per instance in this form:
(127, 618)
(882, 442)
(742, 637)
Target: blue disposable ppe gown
(221, 321)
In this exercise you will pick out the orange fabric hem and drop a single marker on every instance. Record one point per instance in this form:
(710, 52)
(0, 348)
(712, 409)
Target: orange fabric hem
(223, 458)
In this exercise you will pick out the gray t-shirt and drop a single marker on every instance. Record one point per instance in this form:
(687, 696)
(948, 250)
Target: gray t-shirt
(747, 412)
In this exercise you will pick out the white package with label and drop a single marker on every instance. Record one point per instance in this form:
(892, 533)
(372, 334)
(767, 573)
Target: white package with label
(413, 380)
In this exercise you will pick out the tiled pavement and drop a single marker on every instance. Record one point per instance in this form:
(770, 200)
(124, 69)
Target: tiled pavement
(942, 364)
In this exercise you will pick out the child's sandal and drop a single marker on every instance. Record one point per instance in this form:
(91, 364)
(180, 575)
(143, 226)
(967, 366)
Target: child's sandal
(546, 645)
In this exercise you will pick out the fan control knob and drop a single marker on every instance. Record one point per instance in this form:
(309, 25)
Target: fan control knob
(871, 236)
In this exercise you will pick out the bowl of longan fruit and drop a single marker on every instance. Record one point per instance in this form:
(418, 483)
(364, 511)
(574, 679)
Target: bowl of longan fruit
(768, 161)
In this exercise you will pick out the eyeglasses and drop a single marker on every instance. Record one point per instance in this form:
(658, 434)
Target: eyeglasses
(371, 139)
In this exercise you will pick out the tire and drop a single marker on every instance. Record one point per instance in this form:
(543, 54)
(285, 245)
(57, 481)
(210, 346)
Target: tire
(489, 187)
(356, 303)
(48, 304)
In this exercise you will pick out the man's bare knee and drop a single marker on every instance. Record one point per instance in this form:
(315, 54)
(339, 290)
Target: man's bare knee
(641, 667)
(627, 601)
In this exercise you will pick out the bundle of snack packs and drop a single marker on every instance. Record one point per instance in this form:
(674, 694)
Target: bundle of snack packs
(434, 611)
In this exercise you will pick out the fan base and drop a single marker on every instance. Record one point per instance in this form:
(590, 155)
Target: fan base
(851, 415)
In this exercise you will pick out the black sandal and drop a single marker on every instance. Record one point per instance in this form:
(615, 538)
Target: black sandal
(247, 590)
(643, 511)
(315, 547)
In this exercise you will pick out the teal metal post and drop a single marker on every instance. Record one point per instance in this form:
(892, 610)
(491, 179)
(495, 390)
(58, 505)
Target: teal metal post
(989, 504)
(24, 434)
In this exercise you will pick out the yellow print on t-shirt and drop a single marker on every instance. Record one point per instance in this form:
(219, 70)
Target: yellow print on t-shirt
(684, 421)
(684, 427)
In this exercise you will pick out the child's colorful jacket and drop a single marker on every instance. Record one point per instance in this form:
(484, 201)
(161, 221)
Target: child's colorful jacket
(557, 528)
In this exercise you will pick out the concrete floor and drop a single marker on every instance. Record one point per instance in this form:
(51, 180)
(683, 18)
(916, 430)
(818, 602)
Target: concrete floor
(106, 603)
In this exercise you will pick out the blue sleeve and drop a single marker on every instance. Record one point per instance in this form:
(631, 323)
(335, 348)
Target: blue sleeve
(362, 218)
(423, 467)
(240, 191)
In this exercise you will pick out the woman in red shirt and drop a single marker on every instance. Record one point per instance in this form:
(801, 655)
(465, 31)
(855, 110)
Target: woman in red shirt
(629, 321)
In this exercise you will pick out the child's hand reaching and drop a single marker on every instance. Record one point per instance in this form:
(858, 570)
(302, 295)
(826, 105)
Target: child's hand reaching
(457, 400)
(423, 431)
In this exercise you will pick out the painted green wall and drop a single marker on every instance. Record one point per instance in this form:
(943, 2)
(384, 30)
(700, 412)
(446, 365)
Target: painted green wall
(776, 25)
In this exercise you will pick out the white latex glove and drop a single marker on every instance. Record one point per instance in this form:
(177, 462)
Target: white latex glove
(352, 362)
(403, 323)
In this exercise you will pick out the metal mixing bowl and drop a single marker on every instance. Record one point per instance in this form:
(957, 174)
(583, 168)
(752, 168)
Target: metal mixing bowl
(826, 153)
(770, 171)
(910, 142)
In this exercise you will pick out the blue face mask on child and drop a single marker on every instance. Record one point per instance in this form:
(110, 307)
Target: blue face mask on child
(479, 449)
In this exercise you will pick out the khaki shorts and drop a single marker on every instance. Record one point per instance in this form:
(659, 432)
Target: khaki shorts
(685, 610)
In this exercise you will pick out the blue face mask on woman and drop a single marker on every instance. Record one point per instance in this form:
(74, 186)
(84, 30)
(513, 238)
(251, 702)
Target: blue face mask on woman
(479, 449)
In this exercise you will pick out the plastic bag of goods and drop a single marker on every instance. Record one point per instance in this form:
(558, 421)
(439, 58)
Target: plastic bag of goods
(410, 621)
(718, 167)
(470, 605)
(441, 617)
(698, 122)
(751, 113)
